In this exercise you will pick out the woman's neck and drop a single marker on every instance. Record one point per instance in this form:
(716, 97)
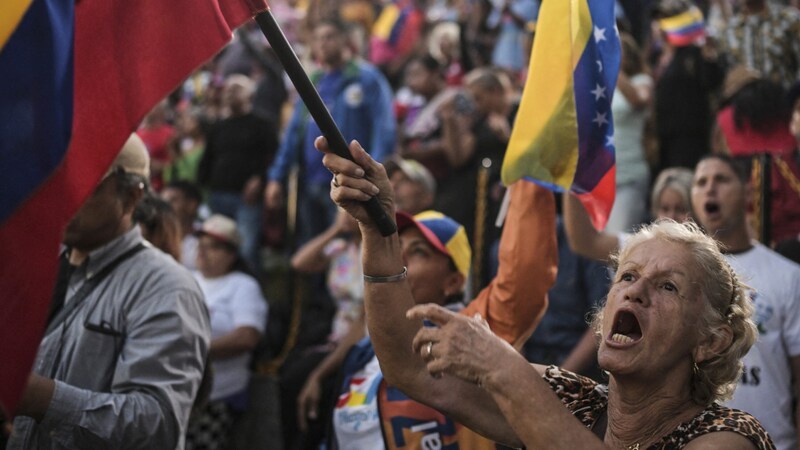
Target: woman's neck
(641, 413)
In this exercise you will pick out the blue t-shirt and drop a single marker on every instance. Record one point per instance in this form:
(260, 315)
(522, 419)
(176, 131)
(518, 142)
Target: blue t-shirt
(315, 172)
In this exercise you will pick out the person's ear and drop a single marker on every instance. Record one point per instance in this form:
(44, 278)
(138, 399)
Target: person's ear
(453, 283)
(713, 345)
(132, 198)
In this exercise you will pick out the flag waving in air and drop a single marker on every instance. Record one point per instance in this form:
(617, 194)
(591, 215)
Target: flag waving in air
(563, 136)
(76, 78)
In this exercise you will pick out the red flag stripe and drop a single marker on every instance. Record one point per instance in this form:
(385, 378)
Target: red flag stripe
(128, 56)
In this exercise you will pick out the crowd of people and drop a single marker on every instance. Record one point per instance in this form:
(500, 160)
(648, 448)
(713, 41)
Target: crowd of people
(497, 315)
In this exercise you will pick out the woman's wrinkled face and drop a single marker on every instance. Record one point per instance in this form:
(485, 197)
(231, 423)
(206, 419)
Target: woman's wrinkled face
(214, 258)
(671, 205)
(651, 318)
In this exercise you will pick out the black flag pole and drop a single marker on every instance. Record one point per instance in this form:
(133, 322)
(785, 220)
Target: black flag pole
(310, 96)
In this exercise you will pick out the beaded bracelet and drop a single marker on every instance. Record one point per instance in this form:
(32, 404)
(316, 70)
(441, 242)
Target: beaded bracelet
(390, 279)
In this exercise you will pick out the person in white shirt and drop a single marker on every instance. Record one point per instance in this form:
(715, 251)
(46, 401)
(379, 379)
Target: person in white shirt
(238, 315)
(771, 377)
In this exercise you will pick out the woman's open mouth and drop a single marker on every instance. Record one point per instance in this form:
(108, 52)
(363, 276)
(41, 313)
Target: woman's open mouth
(626, 329)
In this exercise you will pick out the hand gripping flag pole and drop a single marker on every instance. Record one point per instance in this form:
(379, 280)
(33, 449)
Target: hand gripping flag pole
(317, 108)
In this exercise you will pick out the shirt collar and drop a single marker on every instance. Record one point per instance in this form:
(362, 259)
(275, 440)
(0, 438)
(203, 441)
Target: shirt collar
(101, 256)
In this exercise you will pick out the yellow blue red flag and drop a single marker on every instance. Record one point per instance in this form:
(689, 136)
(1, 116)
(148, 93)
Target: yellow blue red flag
(563, 136)
(75, 80)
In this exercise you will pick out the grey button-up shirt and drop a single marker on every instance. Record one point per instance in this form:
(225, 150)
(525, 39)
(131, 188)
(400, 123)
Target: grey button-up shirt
(127, 361)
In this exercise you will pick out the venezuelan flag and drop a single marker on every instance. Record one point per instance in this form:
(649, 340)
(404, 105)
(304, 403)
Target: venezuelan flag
(76, 78)
(563, 136)
(36, 92)
(684, 28)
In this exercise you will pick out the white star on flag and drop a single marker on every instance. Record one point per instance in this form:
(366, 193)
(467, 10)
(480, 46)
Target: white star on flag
(600, 119)
(599, 65)
(610, 140)
(599, 34)
(598, 92)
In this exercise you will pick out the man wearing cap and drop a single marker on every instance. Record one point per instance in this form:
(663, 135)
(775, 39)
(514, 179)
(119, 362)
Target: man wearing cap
(126, 341)
(373, 414)
(413, 184)
(360, 101)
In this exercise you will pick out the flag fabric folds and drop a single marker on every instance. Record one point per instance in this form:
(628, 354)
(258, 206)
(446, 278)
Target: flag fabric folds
(36, 93)
(12, 13)
(127, 56)
(563, 136)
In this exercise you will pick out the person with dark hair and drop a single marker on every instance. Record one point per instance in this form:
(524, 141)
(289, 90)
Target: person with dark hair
(770, 379)
(421, 128)
(187, 146)
(688, 72)
(238, 313)
(754, 120)
(238, 151)
(185, 199)
(754, 115)
(359, 99)
(123, 355)
(159, 224)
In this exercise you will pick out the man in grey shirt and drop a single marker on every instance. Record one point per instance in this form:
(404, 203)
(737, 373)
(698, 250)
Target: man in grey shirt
(126, 343)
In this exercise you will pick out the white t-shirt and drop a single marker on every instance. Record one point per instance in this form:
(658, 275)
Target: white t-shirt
(345, 284)
(629, 135)
(234, 300)
(356, 418)
(765, 389)
(189, 251)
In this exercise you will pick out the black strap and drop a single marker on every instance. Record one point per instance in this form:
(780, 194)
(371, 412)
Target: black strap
(65, 270)
(61, 315)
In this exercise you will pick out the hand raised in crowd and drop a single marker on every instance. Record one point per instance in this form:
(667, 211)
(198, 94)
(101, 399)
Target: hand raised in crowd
(357, 181)
(460, 346)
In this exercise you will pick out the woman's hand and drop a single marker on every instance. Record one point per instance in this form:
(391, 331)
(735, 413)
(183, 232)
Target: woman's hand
(356, 181)
(460, 346)
(308, 402)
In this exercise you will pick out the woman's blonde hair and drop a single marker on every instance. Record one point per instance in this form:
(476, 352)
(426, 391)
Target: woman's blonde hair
(679, 179)
(726, 303)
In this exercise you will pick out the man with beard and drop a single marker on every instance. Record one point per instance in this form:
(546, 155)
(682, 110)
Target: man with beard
(123, 355)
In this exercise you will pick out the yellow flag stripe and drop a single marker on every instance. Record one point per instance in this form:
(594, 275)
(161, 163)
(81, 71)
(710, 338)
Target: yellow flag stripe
(383, 26)
(552, 154)
(693, 15)
(11, 13)
(544, 141)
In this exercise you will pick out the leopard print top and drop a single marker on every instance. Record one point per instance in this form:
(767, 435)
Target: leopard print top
(588, 401)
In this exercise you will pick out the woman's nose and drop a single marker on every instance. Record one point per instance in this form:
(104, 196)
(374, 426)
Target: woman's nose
(637, 292)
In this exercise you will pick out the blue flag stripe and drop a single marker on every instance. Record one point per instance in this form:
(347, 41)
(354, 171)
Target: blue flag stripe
(36, 82)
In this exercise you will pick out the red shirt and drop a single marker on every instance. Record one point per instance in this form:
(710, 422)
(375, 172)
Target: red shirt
(748, 141)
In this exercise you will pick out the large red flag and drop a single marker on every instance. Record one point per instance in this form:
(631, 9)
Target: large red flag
(127, 56)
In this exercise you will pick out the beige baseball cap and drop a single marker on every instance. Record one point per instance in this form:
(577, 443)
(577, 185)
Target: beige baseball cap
(221, 228)
(133, 158)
